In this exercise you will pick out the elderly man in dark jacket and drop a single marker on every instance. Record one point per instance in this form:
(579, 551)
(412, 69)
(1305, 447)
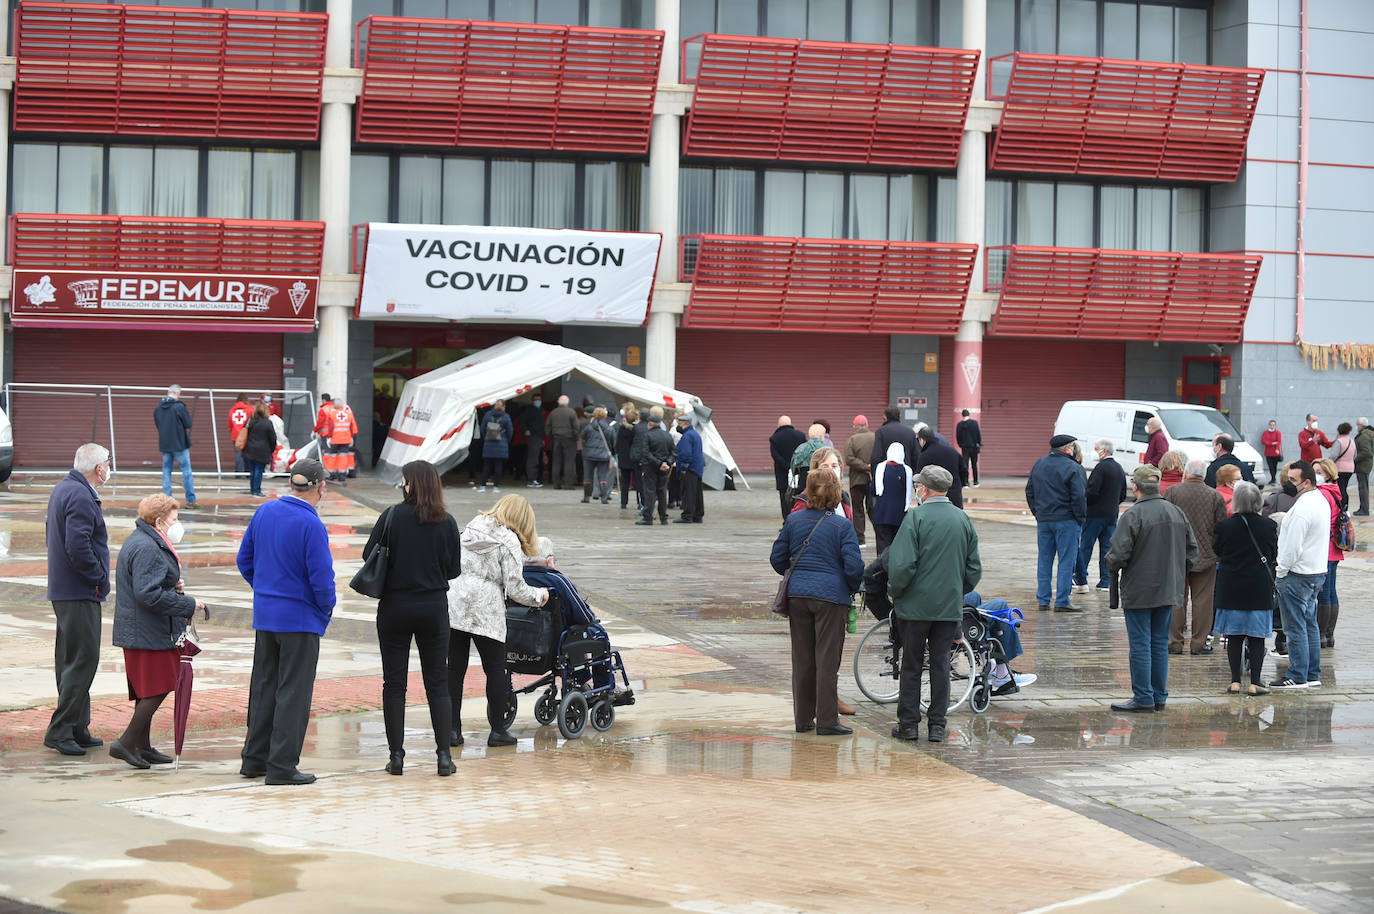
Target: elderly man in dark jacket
(936, 453)
(1105, 492)
(784, 441)
(1222, 447)
(969, 436)
(174, 441)
(78, 580)
(892, 430)
(1154, 549)
(1055, 493)
(653, 454)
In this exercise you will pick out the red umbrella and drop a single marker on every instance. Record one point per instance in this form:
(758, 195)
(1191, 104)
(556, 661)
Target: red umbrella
(185, 676)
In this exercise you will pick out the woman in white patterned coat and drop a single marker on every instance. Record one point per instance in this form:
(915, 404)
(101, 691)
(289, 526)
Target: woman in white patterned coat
(494, 547)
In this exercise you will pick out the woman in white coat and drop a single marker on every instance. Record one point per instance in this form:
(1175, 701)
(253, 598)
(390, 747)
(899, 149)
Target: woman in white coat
(494, 547)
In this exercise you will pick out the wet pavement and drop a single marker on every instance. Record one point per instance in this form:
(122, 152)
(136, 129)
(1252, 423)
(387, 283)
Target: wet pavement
(700, 796)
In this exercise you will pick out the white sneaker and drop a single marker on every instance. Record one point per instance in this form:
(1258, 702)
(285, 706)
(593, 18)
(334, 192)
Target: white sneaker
(1080, 588)
(481, 488)
(496, 490)
(1314, 683)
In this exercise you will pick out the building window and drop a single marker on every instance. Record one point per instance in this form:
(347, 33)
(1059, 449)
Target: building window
(923, 23)
(812, 204)
(465, 190)
(157, 180)
(267, 6)
(623, 14)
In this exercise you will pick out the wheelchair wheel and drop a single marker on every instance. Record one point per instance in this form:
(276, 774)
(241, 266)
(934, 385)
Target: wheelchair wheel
(546, 708)
(963, 673)
(603, 715)
(876, 664)
(981, 697)
(572, 715)
(512, 707)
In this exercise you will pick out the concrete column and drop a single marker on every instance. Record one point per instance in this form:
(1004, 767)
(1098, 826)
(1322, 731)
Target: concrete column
(335, 306)
(6, 90)
(970, 228)
(660, 345)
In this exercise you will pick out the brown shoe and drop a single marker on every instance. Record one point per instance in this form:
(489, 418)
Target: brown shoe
(844, 708)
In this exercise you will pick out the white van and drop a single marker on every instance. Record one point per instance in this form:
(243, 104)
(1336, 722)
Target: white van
(1189, 428)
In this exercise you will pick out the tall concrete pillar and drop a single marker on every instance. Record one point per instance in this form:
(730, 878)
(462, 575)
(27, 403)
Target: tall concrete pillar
(660, 344)
(336, 304)
(6, 90)
(970, 228)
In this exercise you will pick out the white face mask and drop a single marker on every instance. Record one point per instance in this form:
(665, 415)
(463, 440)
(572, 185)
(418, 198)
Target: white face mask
(1313, 425)
(175, 533)
(1321, 478)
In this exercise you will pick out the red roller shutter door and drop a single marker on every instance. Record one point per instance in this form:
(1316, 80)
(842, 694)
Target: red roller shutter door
(1024, 384)
(750, 378)
(48, 429)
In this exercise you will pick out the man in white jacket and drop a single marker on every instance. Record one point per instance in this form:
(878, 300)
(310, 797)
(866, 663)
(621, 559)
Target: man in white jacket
(1301, 572)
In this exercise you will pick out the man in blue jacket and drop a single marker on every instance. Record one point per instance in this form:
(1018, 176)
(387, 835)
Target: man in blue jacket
(285, 558)
(1055, 493)
(690, 464)
(78, 580)
(174, 441)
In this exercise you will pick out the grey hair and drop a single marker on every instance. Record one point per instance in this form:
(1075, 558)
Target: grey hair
(1105, 446)
(90, 456)
(543, 552)
(1363, 420)
(1247, 498)
(1153, 423)
(1196, 468)
(174, 390)
(936, 479)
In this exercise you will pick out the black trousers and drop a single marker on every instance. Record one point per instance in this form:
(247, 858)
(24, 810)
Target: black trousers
(971, 466)
(493, 654)
(859, 502)
(76, 654)
(426, 621)
(785, 503)
(532, 454)
(563, 463)
(1273, 468)
(884, 534)
(693, 507)
(629, 478)
(655, 491)
(919, 639)
(279, 694)
(491, 469)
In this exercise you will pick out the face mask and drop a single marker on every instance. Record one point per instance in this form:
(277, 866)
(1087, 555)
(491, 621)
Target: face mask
(538, 404)
(1313, 425)
(267, 399)
(1289, 489)
(1321, 478)
(175, 533)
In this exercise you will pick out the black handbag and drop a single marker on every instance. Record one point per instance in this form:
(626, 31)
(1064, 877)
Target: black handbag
(780, 598)
(370, 581)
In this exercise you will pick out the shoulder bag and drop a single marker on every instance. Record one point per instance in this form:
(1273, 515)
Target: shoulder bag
(1273, 584)
(780, 598)
(370, 580)
(615, 464)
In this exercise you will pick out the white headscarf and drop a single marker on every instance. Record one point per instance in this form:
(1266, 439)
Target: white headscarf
(896, 455)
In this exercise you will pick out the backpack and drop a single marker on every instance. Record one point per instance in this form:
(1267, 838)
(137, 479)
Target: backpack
(493, 430)
(1343, 532)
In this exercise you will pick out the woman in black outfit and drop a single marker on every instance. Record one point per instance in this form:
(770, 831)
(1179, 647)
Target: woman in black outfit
(423, 539)
(257, 451)
(1246, 545)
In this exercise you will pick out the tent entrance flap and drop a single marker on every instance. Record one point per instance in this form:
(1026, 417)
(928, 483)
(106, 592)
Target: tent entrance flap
(438, 412)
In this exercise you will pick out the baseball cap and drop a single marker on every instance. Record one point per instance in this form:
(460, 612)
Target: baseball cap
(860, 419)
(306, 473)
(1145, 474)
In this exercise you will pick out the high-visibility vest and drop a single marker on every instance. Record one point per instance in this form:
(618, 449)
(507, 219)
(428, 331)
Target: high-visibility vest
(344, 426)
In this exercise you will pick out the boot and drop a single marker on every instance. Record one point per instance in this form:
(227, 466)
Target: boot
(1331, 632)
(1324, 623)
(446, 766)
(397, 763)
(1281, 643)
(586, 492)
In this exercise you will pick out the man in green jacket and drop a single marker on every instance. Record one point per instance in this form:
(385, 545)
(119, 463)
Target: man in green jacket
(932, 563)
(1364, 462)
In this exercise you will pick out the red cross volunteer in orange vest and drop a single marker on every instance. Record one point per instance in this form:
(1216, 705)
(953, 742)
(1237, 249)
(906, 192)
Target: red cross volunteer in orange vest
(239, 414)
(338, 450)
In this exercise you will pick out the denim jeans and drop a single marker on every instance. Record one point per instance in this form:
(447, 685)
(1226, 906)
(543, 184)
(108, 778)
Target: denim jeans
(255, 476)
(1298, 602)
(1055, 537)
(1147, 635)
(183, 460)
(1328, 591)
(1096, 530)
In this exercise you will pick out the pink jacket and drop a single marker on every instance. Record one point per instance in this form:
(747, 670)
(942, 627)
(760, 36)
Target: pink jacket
(1344, 454)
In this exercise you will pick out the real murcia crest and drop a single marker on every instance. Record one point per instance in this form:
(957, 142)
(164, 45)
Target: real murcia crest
(41, 292)
(298, 293)
(971, 366)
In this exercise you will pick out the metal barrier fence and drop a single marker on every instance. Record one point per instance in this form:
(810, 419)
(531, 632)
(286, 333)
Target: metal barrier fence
(50, 422)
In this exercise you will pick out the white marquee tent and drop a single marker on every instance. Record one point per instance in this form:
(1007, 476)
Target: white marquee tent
(438, 411)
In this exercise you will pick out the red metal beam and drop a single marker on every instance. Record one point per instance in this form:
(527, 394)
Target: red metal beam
(814, 284)
(820, 101)
(456, 83)
(1128, 118)
(1087, 293)
(168, 71)
(66, 242)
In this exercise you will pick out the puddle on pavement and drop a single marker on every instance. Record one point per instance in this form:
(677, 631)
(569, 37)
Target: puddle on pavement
(250, 874)
(581, 894)
(755, 610)
(482, 898)
(1194, 875)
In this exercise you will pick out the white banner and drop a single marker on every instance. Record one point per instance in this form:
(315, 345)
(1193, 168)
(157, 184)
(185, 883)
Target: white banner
(473, 272)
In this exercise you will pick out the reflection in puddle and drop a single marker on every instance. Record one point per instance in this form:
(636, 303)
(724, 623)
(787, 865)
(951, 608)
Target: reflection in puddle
(250, 874)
